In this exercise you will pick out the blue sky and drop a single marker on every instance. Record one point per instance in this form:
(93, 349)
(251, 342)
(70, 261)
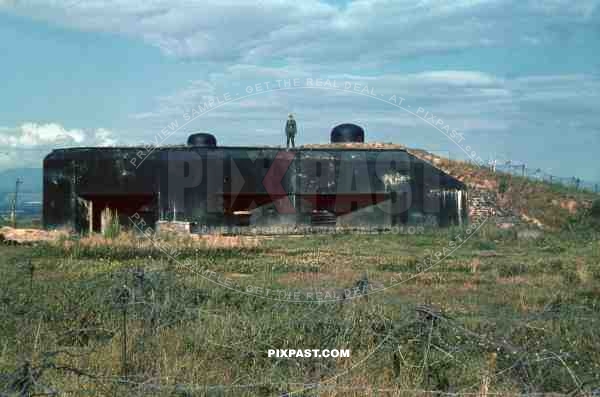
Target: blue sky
(520, 79)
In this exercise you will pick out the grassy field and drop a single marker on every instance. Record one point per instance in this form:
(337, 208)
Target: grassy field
(508, 312)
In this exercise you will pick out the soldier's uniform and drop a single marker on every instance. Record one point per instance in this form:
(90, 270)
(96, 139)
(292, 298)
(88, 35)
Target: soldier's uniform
(290, 131)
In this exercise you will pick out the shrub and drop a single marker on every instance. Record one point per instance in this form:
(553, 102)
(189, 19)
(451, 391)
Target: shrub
(503, 185)
(113, 227)
(512, 269)
(486, 245)
(585, 224)
(594, 212)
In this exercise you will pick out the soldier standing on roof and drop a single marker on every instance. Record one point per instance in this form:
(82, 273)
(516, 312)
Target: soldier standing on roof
(290, 130)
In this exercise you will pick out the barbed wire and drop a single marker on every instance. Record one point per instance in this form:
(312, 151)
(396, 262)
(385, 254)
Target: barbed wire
(430, 314)
(520, 168)
(426, 319)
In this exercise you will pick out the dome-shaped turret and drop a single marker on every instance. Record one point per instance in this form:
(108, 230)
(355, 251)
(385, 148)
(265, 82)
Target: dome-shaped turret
(347, 133)
(202, 139)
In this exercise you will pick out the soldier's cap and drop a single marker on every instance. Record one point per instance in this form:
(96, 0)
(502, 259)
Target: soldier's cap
(291, 116)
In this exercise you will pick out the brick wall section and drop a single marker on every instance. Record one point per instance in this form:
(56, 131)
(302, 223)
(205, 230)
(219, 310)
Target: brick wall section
(482, 203)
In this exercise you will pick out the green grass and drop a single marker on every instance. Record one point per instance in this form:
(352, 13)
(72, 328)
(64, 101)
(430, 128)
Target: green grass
(535, 304)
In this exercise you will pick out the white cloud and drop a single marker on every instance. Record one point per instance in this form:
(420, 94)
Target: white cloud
(29, 135)
(27, 144)
(460, 78)
(312, 31)
(313, 39)
(443, 89)
(497, 115)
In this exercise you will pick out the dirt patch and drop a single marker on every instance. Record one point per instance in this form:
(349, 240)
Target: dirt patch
(28, 236)
(189, 241)
(25, 236)
(532, 220)
(569, 205)
(218, 241)
(485, 184)
(468, 286)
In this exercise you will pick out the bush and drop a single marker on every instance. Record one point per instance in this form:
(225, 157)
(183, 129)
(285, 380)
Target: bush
(594, 212)
(486, 245)
(113, 228)
(585, 224)
(512, 269)
(503, 185)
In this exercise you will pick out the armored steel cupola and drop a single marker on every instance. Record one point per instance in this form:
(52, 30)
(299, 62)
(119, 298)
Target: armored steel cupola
(202, 139)
(347, 132)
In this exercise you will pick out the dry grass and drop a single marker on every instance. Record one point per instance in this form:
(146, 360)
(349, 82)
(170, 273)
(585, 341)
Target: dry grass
(205, 335)
(135, 241)
(61, 238)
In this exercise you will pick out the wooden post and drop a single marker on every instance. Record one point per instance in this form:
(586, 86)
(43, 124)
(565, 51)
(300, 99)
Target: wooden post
(90, 209)
(104, 220)
(488, 375)
(124, 368)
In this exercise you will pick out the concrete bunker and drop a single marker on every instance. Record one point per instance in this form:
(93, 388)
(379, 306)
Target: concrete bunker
(346, 183)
